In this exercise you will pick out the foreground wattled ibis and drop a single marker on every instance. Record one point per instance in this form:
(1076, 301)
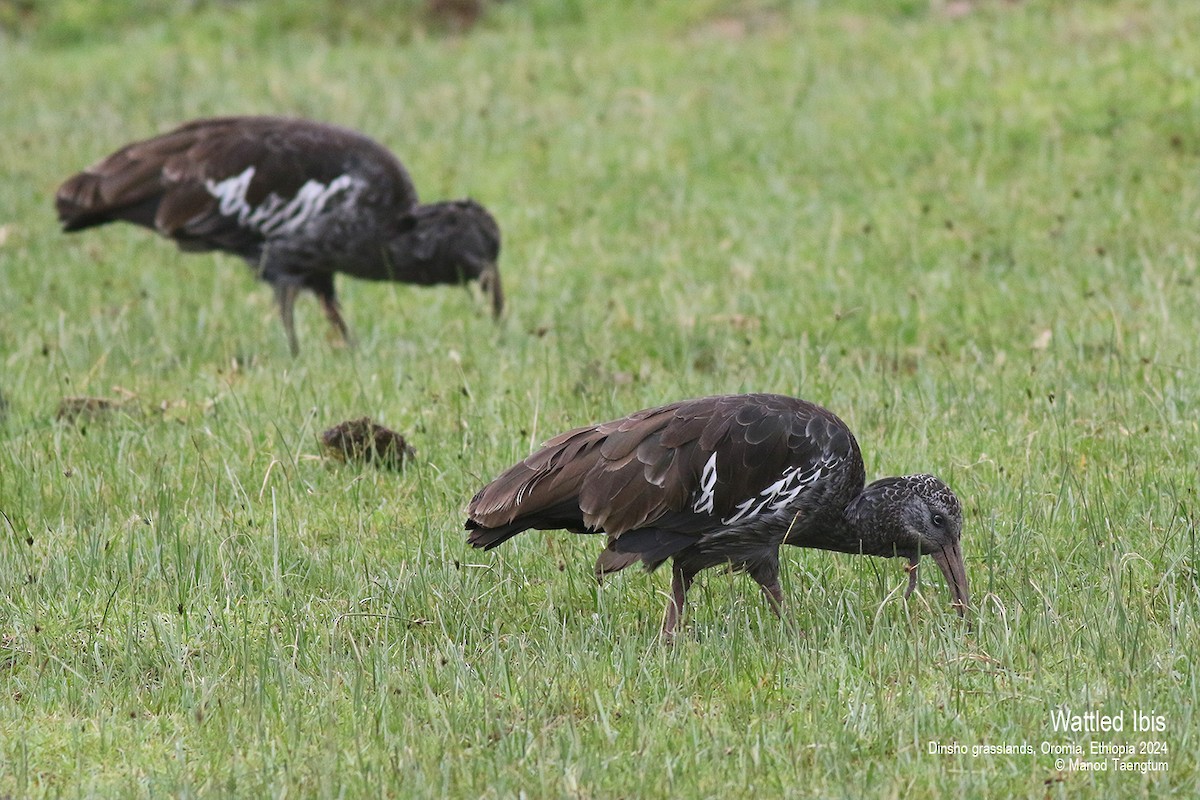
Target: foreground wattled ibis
(722, 481)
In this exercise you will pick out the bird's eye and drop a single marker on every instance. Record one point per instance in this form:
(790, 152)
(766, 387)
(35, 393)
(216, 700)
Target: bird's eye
(938, 520)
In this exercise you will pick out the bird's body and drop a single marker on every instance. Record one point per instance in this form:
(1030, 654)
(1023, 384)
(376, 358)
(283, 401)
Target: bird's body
(299, 200)
(722, 480)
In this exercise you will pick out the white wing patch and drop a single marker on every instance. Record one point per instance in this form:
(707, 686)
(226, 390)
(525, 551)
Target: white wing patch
(275, 215)
(780, 494)
(708, 487)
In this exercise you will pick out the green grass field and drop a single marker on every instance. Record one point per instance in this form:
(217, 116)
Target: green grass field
(972, 230)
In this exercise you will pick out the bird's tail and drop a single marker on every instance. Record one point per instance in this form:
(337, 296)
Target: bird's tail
(564, 517)
(77, 201)
(89, 198)
(610, 561)
(127, 185)
(487, 538)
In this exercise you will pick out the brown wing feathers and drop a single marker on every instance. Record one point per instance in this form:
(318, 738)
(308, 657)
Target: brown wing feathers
(641, 472)
(614, 477)
(541, 488)
(160, 182)
(631, 484)
(122, 186)
(635, 478)
(127, 185)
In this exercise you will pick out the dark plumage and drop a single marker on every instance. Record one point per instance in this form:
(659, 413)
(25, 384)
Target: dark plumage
(722, 480)
(298, 200)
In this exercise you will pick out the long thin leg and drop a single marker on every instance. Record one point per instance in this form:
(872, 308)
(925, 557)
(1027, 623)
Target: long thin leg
(774, 594)
(766, 574)
(323, 289)
(680, 581)
(285, 293)
(333, 313)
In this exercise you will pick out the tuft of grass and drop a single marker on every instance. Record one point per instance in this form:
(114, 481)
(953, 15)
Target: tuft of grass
(968, 228)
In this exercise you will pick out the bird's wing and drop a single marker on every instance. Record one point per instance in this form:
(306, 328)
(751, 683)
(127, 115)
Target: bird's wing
(687, 468)
(127, 185)
(226, 182)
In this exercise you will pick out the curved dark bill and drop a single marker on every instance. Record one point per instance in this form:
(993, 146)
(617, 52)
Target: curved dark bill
(951, 563)
(489, 281)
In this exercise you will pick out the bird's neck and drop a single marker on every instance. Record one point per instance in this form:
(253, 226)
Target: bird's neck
(869, 524)
(858, 528)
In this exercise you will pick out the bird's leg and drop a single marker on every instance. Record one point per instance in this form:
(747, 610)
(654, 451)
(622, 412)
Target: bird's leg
(285, 293)
(766, 574)
(323, 289)
(680, 581)
(489, 282)
(774, 594)
(333, 313)
(911, 567)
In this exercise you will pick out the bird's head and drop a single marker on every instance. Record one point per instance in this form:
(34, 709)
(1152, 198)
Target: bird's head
(450, 242)
(912, 516)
